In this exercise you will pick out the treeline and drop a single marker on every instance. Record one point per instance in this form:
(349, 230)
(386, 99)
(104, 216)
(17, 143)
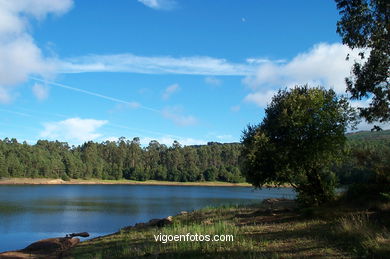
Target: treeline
(121, 159)
(367, 159)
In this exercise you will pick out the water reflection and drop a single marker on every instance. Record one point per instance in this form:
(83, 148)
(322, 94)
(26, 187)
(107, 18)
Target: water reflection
(29, 212)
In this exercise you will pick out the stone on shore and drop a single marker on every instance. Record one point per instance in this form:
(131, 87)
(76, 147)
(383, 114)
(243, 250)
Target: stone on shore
(46, 248)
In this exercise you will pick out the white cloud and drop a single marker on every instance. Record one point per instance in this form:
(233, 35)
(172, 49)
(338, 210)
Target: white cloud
(130, 63)
(260, 98)
(41, 92)
(170, 90)
(159, 4)
(174, 114)
(19, 55)
(212, 81)
(263, 60)
(73, 130)
(324, 64)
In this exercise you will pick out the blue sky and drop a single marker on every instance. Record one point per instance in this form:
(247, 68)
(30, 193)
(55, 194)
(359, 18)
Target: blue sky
(193, 71)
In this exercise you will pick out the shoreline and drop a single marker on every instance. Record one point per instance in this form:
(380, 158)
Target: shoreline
(276, 227)
(51, 181)
(60, 246)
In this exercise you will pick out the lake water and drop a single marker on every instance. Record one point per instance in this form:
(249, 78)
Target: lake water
(32, 212)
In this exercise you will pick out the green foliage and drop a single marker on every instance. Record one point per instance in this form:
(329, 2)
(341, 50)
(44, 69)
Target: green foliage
(365, 24)
(366, 168)
(3, 168)
(301, 136)
(210, 174)
(121, 159)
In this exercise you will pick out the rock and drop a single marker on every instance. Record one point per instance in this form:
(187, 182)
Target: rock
(183, 212)
(160, 222)
(140, 225)
(164, 222)
(46, 248)
(52, 245)
(153, 222)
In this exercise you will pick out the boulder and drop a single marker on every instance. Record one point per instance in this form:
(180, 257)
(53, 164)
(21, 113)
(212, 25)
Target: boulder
(52, 245)
(160, 222)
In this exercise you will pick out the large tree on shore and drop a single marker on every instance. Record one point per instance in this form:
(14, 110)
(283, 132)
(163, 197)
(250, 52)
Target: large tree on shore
(301, 136)
(364, 24)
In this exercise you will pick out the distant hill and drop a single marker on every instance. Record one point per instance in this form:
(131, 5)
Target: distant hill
(370, 135)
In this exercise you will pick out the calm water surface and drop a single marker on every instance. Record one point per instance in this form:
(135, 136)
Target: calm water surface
(32, 212)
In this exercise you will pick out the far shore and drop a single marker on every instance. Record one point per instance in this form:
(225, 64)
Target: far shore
(48, 181)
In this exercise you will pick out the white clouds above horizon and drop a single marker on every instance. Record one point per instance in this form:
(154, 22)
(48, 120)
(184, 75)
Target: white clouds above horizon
(19, 55)
(264, 60)
(324, 64)
(260, 98)
(130, 63)
(73, 130)
(159, 4)
(170, 90)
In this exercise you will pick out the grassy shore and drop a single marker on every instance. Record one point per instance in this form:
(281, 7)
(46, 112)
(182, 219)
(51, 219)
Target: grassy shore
(122, 181)
(275, 229)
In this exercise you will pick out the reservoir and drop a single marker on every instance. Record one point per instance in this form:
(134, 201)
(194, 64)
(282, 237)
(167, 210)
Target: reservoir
(29, 213)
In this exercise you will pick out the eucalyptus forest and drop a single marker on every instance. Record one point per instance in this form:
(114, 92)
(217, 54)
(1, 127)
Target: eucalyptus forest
(365, 154)
(120, 159)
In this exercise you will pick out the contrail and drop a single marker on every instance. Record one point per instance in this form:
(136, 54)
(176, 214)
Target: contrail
(94, 94)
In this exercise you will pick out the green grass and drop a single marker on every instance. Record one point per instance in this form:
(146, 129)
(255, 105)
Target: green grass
(260, 231)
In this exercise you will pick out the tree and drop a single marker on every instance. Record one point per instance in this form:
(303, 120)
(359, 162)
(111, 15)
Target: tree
(3, 169)
(365, 24)
(301, 136)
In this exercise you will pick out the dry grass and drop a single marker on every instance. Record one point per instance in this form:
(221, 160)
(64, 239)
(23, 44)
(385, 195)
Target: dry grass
(260, 231)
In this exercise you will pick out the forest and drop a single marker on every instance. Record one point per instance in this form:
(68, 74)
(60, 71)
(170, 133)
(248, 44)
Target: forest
(120, 159)
(367, 152)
